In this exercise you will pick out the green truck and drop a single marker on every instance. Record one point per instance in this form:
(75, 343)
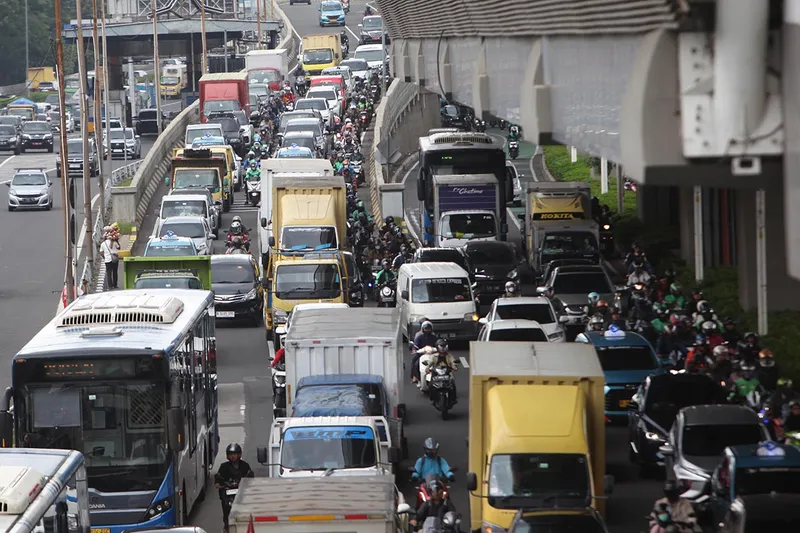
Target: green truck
(191, 272)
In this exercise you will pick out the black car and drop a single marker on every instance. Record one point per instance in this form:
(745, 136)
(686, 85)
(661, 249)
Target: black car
(37, 135)
(237, 287)
(444, 255)
(75, 158)
(372, 30)
(10, 139)
(493, 264)
(654, 407)
(232, 129)
(146, 122)
(12, 120)
(453, 117)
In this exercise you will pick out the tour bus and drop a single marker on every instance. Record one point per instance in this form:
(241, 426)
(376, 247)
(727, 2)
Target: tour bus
(129, 379)
(43, 491)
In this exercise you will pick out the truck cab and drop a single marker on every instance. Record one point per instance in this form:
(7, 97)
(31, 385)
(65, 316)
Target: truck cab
(197, 168)
(466, 208)
(337, 446)
(192, 272)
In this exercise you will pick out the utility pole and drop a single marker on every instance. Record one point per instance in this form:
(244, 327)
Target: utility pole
(69, 280)
(87, 185)
(98, 129)
(258, 23)
(156, 66)
(101, 182)
(27, 52)
(383, 63)
(203, 34)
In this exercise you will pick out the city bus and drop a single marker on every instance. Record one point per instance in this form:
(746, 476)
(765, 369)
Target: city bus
(43, 491)
(129, 379)
(456, 153)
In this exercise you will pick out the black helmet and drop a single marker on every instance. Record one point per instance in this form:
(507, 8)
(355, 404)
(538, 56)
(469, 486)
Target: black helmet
(441, 345)
(389, 220)
(431, 447)
(233, 448)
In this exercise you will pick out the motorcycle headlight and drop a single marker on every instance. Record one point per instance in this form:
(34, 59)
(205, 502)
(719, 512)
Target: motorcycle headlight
(354, 295)
(251, 295)
(606, 227)
(279, 316)
(649, 435)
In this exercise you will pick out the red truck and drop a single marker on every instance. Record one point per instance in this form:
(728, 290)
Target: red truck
(224, 92)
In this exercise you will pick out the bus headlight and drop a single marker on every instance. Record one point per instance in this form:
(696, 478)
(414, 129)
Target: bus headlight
(158, 508)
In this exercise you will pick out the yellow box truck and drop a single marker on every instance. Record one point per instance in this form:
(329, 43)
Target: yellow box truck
(40, 74)
(536, 431)
(321, 51)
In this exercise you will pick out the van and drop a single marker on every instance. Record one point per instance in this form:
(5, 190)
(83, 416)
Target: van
(177, 205)
(440, 293)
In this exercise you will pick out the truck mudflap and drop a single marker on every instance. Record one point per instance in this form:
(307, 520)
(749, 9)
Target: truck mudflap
(398, 437)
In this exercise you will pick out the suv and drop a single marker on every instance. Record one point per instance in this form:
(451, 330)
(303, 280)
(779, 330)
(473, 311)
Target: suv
(30, 188)
(232, 129)
(36, 134)
(146, 122)
(10, 138)
(572, 285)
(124, 144)
(75, 158)
(372, 30)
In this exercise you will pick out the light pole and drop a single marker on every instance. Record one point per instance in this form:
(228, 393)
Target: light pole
(27, 52)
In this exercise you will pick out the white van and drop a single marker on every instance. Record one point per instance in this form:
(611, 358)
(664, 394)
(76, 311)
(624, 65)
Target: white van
(441, 293)
(183, 205)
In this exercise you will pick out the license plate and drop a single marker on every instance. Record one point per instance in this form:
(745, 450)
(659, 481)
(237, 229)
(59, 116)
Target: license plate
(74, 166)
(449, 335)
(232, 492)
(226, 314)
(624, 403)
(101, 530)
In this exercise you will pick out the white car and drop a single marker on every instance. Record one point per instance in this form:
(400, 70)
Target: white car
(328, 93)
(535, 308)
(195, 228)
(358, 67)
(513, 173)
(320, 104)
(373, 54)
(514, 331)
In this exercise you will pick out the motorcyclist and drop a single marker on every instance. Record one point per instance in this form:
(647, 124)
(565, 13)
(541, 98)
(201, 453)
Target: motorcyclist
(237, 244)
(711, 331)
(767, 373)
(431, 463)
(675, 298)
(700, 353)
(238, 230)
(514, 133)
(639, 275)
(401, 258)
(670, 344)
(615, 319)
(443, 358)
(780, 400)
(344, 39)
(253, 173)
(424, 337)
(591, 308)
(385, 275)
(596, 323)
(635, 253)
(723, 367)
(660, 319)
(730, 333)
(512, 290)
(231, 473)
(437, 506)
(680, 509)
(279, 355)
(792, 421)
(748, 382)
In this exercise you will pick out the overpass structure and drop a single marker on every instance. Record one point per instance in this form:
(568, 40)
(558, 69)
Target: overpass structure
(696, 99)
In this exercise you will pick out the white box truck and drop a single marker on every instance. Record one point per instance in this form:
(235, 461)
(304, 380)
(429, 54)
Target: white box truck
(368, 504)
(466, 207)
(267, 66)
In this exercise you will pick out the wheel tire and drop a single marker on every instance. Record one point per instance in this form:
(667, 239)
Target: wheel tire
(50, 149)
(255, 320)
(58, 172)
(49, 206)
(16, 151)
(11, 208)
(226, 205)
(22, 149)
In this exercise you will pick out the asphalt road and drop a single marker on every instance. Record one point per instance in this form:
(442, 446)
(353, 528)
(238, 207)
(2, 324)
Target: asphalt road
(32, 251)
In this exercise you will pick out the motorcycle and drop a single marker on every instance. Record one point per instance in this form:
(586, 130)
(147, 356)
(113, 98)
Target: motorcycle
(233, 250)
(363, 118)
(387, 296)
(480, 125)
(253, 196)
(606, 236)
(300, 86)
(346, 6)
(449, 523)
(279, 390)
(374, 92)
(231, 489)
(426, 358)
(289, 106)
(513, 149)
(423, 494)
(442, 385)
(245, 239)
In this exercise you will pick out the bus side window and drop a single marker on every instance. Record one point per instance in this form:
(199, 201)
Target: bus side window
(200, 357)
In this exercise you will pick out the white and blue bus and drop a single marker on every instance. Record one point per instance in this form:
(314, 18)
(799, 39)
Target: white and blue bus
(129, 379)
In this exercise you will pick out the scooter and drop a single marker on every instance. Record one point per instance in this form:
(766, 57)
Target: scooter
(387, 296)
(442, 385)
(422, 489)
(513, 149)
(253, 192)
(426, 358)
(279, 390)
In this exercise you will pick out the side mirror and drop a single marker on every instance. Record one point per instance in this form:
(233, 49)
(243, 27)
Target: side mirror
(404, 295)
(271, 241)
(472, 482)
(261, 454)
(214, 236)
(264, 281)
(541, 291)
(177, 440)
(666, 449)
(6, 430)
(633, 406)
(394, 455)
(620, 288)
(563, 319)
(8, 184)
(483, 320)
(608, 484)
(404, 508)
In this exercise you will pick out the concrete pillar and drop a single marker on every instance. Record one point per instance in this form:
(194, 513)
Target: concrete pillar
(686, 221)
(783, 292)
(656, 205)
(116, 81)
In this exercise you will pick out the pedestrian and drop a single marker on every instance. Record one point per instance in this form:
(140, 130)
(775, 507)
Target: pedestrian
(109, 251)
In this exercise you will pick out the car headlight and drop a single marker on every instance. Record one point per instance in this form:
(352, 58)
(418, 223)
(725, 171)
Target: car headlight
(48, 136)
(12, 192)
(159, 507)
(471, 317)
(649, 435)
(27, 137)
(279, 316)
(251, 295)
(555, 336)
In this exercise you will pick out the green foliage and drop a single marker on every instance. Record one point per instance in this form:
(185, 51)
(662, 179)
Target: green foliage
(125, 228)
(124, 183)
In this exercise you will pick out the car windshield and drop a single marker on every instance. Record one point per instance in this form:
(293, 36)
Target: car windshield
(568, 244)
(581, 283)
(75, 147)
(778, 480)
(169, 80)
(541, 313)
(147, 114)
(199, 133)
(20, 112)
(490, 255)
(626, 358)
(220, 106)
(259, 89)
(297, 126)
(307, 282)
(192, 230)
(121, 429)
(229, 124)
(229, 272)
(515, 480)
(36, 127)
(440, 290)
(308, 238)
(371, 23)
(118, 135)
(169, 250)
(369, 55)
(302, 142)
(159, 282)
(28, 179)
(468, 226)
(334, 7)
(264, 76)
(183, 208)
(322, 92)
(329, 447)
(518, 335)
(553, 523)
(294, 153)
(188, 178)
(711, 440)
(7, 130)
(451, 110)
(312, 103)
(317, 57)
(356, 65)
(668, 395)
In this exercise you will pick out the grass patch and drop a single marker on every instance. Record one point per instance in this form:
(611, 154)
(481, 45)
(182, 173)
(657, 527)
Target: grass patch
(34, 97)
(721, 288)
(124, 183)
(125, 228)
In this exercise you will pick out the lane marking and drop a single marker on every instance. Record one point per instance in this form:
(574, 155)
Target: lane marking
(355, 36)
(514, 219)
(463, 361)
(6, 161)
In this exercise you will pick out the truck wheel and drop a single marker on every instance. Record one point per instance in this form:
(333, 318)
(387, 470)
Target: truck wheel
(226, 205)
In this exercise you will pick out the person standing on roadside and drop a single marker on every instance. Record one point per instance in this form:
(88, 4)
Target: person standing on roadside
(109, 251)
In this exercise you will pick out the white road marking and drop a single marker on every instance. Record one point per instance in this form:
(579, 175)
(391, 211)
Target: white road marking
(463, 361)
(355, 36)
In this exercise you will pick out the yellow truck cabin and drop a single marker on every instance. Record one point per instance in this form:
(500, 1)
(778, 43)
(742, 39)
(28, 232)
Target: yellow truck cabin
(222, 151)
(321, 51)
(536, 431)
(198, 169)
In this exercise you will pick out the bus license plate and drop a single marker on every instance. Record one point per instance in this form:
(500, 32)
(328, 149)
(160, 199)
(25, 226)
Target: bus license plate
(225, 314)
(101, 530)
(229, 492)
(624, 403)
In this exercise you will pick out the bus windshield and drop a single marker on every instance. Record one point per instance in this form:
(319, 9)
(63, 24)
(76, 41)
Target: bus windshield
(456, 162)
(119, 427)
